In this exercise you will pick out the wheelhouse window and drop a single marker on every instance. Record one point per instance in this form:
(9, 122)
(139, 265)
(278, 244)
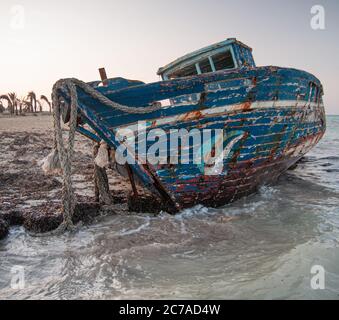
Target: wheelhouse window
(215, 62)
(205, 66)
(219, 61)
(184, 72)
(223, 60)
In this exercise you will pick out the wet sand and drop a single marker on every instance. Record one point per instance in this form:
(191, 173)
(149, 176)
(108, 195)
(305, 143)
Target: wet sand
(31, 198)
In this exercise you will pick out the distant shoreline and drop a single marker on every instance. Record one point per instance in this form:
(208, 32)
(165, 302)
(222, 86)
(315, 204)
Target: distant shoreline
(30, 122)
(8, 115)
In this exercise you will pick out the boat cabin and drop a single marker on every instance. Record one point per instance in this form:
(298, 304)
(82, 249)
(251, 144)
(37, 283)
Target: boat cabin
(228, 54)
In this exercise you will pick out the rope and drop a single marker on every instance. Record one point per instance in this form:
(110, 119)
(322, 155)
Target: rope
(101, 98)
(66, 154)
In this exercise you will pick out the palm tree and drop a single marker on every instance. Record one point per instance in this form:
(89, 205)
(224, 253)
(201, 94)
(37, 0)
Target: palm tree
(32, 97)
(14, 100)
(2, 108)
(21, 104)
(27, 106)
(39, 105)
(10, 105)
(44, 98)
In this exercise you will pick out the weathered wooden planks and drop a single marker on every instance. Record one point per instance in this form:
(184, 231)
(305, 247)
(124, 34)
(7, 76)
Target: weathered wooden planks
(277, 113)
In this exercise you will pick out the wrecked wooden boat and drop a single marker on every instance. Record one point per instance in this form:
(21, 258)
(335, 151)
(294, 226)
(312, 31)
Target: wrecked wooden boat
(269, 117)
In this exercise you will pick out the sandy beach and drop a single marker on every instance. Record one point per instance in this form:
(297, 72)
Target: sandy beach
(28, 196)
(41, 123)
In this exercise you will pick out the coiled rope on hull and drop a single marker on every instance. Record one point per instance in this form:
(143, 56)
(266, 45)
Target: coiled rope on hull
(64, 154)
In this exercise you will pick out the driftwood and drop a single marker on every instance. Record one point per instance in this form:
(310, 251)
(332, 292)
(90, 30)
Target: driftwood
(102, 192)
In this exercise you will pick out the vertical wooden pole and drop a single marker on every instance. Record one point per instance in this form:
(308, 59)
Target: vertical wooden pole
(101, 185)
(96, 187)
(131, 179)
(103, 76)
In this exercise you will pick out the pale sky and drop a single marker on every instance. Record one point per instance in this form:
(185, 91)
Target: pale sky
(49, 40)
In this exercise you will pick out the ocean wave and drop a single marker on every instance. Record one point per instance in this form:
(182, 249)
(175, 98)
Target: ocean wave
(268, 192)
(329, 158)
(125, 232)
(331, 170)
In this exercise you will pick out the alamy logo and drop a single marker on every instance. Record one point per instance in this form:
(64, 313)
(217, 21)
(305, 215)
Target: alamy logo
(318, 17)
(18, 277)
(318, 280)
(208, 149)
(18, 17)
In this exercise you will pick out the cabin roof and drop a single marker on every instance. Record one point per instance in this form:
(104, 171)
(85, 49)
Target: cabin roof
(201, 51)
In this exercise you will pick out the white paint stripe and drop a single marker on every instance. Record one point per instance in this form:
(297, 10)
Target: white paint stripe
(257, 105)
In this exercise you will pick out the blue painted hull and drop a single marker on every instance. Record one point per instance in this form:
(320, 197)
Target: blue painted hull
(278, 114)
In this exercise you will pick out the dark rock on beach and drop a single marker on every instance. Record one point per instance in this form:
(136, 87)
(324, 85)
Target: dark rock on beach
(144, 203)
(85, 212)
(13, 217)
(3, 229)
(43, 221)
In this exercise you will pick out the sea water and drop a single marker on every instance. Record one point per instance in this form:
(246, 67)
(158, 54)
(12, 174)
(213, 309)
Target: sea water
(269, 245)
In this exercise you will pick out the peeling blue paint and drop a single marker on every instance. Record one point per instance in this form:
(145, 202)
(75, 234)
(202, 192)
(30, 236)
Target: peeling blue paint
(280, 110)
